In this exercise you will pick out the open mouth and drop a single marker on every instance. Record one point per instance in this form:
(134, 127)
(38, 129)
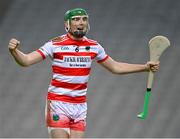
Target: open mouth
(80, 28)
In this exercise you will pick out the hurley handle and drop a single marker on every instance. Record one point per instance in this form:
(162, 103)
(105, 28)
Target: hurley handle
(150, 80)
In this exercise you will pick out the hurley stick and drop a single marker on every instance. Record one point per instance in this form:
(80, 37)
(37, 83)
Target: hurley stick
(157, 45)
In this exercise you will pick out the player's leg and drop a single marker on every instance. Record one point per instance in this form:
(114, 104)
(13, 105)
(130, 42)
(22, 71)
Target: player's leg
(58, 132)
(64, 133)
(76, 134)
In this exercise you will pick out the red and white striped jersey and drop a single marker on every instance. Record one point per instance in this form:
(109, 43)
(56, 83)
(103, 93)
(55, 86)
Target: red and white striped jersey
(71, 65)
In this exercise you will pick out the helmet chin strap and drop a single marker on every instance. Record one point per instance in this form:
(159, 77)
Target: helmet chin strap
(88, 28)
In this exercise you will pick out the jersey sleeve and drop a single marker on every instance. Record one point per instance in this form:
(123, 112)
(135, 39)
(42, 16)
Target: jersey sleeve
(46, 50)
(101, 56)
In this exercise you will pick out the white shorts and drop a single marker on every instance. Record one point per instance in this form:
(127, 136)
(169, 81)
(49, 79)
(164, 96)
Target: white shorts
(66, 115)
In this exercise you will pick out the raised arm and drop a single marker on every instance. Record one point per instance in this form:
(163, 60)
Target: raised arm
(21, 58)
(125, 68)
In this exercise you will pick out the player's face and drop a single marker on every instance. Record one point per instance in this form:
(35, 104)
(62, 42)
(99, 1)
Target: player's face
(79, 26)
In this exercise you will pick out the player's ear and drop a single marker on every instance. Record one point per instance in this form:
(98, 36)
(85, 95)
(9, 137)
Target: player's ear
(66, 25)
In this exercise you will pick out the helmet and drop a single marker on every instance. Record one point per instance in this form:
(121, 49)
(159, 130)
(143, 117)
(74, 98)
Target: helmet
(74, 12)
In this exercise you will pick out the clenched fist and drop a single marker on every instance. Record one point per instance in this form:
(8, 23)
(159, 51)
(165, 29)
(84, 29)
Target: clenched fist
(153, 66)
(13, 44)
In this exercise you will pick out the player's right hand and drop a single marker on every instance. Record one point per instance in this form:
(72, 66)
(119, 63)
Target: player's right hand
(13, 44)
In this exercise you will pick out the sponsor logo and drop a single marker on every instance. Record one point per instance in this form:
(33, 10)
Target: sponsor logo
(77, 59)
(64, 48)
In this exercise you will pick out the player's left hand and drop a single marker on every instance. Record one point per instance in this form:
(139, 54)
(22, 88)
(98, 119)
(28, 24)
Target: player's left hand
(153, 66)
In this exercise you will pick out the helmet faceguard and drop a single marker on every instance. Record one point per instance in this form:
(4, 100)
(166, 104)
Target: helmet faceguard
(75, 13)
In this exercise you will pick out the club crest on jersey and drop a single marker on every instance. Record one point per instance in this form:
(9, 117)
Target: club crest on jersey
(56, 117)
(87, 48)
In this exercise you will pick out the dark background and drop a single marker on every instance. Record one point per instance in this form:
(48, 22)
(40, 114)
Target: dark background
(123, 28)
